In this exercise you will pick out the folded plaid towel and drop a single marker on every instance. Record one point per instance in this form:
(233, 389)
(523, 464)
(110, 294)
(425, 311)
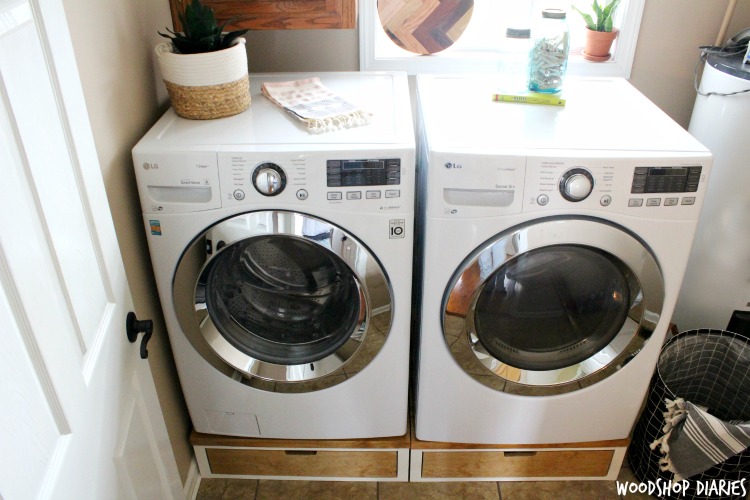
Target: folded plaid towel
(694, 441)
(310, 101)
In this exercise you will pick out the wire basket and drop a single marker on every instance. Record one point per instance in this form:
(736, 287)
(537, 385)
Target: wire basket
(709, 368)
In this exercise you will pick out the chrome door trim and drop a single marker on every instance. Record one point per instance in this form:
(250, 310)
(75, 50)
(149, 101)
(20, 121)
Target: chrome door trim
(458, 325)
(355, 353)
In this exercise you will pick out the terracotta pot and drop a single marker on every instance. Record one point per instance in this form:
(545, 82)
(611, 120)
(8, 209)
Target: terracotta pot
(598, 45)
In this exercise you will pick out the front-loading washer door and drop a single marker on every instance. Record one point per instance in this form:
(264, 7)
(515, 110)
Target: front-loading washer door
(552, 306)
(282, 297)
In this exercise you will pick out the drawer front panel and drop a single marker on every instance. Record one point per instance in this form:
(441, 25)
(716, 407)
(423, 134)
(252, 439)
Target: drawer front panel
(303, 463)
(490, 464)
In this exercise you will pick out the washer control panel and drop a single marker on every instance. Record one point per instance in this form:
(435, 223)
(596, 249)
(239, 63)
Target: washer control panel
(372, 182)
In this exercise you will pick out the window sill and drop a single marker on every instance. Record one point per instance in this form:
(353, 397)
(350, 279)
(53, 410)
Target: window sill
(378, 53)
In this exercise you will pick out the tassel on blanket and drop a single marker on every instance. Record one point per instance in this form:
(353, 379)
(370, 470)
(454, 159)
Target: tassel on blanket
(354, 119)
(675, 414)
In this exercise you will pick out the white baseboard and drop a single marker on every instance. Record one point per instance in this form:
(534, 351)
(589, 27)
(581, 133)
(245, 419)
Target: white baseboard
(193, 481)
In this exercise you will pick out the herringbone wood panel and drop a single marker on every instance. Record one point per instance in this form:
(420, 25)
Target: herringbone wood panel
(424, 26)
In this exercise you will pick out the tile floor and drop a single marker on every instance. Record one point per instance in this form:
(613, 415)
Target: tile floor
(247, 489)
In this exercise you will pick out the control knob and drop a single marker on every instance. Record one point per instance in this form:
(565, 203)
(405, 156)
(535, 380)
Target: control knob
(576, 184)
(269, 179)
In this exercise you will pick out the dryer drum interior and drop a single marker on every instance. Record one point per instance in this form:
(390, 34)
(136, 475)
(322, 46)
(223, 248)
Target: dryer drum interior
(551, 308)
(282, 299)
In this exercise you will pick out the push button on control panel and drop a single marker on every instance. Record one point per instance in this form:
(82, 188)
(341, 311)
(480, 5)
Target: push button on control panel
(635, 202)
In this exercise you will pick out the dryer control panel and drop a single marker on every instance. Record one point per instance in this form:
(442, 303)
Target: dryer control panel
(482, 184)
(664, 187)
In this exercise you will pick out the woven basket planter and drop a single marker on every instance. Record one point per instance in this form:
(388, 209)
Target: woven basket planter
(207, 85)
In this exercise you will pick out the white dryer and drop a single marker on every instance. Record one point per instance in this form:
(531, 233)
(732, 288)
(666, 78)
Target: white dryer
(282, 262)
(555, 243)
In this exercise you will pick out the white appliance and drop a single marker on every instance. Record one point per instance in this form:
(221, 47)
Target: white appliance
(282, 262)
(716, 290)
(555, 242)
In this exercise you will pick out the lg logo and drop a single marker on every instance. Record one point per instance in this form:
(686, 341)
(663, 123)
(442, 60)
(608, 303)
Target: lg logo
(450, 164)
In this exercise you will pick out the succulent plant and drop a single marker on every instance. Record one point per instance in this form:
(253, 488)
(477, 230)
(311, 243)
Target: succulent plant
(201, 33)
(604, 16)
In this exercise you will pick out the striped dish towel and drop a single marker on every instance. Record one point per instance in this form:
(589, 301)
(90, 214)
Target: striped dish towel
(310, 101)
(694, 441)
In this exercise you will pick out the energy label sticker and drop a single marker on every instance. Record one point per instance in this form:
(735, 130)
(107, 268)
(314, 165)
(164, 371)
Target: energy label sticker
(397, 228)
(155, 227)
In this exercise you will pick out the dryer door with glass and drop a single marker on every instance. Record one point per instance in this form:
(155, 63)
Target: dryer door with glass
(552, 306)
(282, 300)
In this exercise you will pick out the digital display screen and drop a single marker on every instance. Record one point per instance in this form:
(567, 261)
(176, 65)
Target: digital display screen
(363, 164)
(363, 172)
(666, 179)
(677, 172)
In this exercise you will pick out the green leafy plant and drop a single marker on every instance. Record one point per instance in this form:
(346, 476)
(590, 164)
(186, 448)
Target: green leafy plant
(201, 32)
(604, 16)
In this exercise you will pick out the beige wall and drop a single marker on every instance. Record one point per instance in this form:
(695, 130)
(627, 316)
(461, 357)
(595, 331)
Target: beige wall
(114, 43)
(305, 50)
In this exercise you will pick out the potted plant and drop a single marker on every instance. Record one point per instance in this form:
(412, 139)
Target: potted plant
(600, 34)
(204, 68)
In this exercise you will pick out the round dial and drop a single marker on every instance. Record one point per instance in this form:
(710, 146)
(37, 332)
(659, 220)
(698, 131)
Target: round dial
(269, 179)
(576, 184)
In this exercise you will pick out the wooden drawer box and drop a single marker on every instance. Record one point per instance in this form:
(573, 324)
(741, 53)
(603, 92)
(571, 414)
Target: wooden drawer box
(467, 462)
(380, 459)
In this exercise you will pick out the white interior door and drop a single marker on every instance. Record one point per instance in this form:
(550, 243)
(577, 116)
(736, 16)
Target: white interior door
(80, 418)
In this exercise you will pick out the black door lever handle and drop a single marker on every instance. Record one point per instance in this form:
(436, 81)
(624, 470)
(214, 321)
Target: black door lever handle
(134, 326)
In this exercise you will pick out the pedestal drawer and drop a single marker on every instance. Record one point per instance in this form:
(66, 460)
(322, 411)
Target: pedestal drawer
(308, 463)
(516, 464)
(376, 459)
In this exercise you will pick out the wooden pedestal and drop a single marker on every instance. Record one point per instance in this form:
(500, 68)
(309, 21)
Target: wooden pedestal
(404, 458)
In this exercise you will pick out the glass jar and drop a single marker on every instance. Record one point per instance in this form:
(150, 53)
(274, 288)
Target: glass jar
(513, 67)
(548, 57)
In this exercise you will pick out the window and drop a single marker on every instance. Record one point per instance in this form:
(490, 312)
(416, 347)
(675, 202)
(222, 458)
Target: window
(476, 49)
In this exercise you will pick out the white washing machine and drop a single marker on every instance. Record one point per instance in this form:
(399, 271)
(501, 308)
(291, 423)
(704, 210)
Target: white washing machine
(555, 242)
(281, 260)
